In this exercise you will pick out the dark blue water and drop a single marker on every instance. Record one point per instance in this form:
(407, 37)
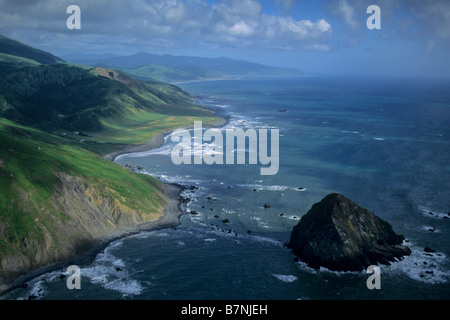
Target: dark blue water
(384, 144)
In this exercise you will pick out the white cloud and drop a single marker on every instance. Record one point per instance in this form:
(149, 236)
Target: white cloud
(226, 23)
(425, 17)
(347, 12)
(287, 4)
(430, 46)
(241, 29)
(436, 14)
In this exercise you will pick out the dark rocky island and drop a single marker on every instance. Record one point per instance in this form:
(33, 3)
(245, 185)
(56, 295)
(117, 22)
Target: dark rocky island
(339, 235)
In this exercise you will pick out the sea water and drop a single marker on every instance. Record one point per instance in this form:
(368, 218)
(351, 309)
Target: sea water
(383, 143)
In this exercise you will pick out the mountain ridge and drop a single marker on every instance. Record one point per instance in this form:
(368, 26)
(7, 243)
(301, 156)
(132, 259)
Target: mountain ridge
(195, 68)
(16, 48)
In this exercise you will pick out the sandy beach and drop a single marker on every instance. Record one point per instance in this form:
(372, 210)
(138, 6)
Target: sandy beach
(156, 141)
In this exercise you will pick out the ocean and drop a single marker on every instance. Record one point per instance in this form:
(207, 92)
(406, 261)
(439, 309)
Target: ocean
(383, 143)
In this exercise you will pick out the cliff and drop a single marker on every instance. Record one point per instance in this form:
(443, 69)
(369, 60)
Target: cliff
(86, 215)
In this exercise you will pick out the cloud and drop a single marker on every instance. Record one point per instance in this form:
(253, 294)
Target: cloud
(225, 23)
(287, 4)
(347, 12)
(435, 15)
(424, 17)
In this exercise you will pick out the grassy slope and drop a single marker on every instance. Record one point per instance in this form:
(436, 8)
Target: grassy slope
(18, 49)
(115, 109)
(146, 109)
(19, 62)
(49, 100)
(29, 161)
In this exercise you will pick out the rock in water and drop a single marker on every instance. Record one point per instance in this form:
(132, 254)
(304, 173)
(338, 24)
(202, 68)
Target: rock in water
(339, 235)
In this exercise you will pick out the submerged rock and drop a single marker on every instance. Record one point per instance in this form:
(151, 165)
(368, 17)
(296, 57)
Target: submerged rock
(338, 234)
(429, 250)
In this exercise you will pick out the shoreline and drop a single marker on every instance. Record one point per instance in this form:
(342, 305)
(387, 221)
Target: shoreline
(170, 217)
(158, 140)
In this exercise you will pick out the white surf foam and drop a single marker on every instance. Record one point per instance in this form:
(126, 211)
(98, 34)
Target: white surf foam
(422, 266)
(111, 272)
(261, 187)
(285, 277)
(430, 213)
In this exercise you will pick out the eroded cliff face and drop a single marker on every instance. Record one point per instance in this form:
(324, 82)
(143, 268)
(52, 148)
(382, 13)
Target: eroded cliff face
(94, 214)
(76, 216)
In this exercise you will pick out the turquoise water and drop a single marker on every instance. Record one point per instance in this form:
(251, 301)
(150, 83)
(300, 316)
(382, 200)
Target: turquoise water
(382, 143)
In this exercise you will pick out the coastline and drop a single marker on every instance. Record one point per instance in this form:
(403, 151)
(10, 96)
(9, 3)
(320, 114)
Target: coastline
(157, 141)
(170, 217)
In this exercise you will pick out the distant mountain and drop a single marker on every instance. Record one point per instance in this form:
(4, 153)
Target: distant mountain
(18, 49)
(87, 56)
(172, 68)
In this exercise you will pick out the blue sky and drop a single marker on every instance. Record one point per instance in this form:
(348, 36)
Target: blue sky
(325, 36)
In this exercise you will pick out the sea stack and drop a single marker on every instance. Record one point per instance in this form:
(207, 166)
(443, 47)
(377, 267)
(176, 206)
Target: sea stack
(339, 235)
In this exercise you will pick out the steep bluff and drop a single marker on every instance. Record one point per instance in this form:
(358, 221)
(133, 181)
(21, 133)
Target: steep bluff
(80, 215)
(338, 234)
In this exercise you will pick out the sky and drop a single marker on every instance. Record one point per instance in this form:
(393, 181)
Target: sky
(316, 36)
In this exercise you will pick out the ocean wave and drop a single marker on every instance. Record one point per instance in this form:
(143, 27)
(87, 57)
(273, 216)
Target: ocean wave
(427, 267)
(304, 267)
(430, 229)
(238, 121)
(260, 187)
(180, 180)
(37, 287)
(430, 213)
(419, 266)
(289, 217)
(148, 233)
(111, 272)
(107, 270)
(285, 277)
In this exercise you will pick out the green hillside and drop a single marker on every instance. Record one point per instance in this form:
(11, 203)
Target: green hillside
(18, 49)
(111, 108)
(56, 198)
(58, 195)
(44, 96)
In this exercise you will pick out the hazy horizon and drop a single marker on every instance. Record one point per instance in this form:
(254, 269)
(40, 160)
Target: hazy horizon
(317, 37)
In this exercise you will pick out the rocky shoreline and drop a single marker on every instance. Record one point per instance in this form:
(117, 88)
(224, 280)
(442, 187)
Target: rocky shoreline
(170, 217)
